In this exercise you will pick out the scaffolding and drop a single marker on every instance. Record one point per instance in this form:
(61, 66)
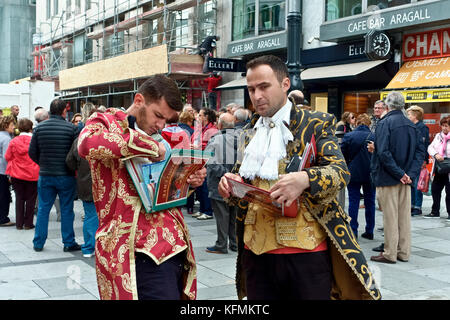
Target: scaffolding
(118, 27)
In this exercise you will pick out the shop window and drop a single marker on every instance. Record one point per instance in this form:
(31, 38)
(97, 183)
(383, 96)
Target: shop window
(272, 16)
(377, 4)
(243, 19)
(360, 102)
(336, 9)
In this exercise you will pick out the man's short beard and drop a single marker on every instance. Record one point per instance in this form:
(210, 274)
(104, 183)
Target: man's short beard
(141, 118)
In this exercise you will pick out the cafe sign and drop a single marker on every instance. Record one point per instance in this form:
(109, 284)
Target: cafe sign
(386, 19)
(417, 96)
(428, 44)
(258, 44)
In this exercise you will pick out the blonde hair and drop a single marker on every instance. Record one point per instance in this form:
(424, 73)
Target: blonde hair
(417, 111)
(86, 111)
(364, 119)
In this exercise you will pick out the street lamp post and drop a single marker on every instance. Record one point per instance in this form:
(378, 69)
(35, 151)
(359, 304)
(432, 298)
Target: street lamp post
(294, 20)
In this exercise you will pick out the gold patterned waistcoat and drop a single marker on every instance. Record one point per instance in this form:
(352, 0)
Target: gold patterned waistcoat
(265, 230)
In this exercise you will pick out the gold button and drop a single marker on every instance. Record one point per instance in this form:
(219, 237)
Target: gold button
(271, 124)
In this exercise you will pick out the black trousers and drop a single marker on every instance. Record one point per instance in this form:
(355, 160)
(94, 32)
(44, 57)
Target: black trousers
(5, 199)
(159, 282)
(439, 182)
(298, 276)
(26, 194)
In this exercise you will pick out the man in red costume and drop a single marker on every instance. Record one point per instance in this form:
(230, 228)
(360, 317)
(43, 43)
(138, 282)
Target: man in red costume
(139, 255)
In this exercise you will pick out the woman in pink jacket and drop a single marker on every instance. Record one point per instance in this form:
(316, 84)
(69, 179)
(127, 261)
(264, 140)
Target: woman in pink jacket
(24, 175)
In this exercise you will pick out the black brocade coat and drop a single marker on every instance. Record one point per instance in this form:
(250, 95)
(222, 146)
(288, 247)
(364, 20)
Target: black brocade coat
(352, 278)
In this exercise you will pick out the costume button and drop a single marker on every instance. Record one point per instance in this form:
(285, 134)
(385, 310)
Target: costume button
(271, 124)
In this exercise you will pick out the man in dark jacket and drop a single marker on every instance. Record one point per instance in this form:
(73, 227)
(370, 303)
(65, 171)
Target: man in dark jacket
(224, 146)
(51, 141)
(396, 162)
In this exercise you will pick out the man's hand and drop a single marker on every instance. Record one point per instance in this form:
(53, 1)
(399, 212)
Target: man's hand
(406, 179)
(371, 147)
(161, 152)
(289, 187)
(196, 179)
(439, 157)
(224, 187)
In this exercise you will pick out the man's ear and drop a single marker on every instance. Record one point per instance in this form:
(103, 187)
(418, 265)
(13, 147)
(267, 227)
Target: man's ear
(139, 100)
(286, 84)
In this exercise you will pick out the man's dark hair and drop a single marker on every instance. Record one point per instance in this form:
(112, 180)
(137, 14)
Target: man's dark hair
(25, 125)
(159, 86)
(210, 114)
(276, 64)
(57, 107)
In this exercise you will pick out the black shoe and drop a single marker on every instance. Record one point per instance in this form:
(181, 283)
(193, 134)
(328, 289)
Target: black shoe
(416, 212)
(431, 215)
(380, 248)
(214, 249)
(233, 248)
(37, 249)
(367, 235)
(75, 247)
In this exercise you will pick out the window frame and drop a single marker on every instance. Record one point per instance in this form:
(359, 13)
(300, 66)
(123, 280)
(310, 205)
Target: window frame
(363, 10)
(256, 28)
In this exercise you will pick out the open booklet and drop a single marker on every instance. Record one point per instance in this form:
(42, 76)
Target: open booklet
(163, 184)
(260, 196)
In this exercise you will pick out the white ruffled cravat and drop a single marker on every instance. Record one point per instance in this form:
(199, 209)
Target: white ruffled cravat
(268, 145)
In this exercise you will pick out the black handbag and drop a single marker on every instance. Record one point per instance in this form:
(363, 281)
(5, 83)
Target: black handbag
(442, 167)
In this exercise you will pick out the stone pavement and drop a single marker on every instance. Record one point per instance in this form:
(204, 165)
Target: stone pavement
(56, 275)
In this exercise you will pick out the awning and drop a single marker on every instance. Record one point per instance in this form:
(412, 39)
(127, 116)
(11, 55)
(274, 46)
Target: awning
(319, 73)
(426, 80)
(340, 70)
(234, 84)
(422, 73)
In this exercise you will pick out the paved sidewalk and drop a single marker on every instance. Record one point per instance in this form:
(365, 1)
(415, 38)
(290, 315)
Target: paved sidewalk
(56, 275)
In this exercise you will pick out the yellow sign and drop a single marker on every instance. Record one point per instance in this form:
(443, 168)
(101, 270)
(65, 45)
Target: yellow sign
(422, 73)
(427, 95)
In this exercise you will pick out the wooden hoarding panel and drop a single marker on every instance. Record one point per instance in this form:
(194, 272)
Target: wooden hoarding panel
(138, 64)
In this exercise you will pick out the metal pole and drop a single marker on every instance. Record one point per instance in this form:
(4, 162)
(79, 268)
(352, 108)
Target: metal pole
(294, 20)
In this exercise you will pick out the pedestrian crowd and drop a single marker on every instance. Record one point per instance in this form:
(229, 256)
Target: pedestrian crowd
(385, 154)
(40, 163)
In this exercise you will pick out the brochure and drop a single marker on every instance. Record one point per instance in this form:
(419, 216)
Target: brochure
(253, 194)
(163, 184)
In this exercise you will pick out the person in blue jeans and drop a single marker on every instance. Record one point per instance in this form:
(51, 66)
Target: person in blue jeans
(50, 143)
(354, 149)
(84, 190)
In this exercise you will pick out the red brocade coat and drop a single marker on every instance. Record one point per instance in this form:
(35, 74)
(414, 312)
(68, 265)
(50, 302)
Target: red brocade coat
(124, 226)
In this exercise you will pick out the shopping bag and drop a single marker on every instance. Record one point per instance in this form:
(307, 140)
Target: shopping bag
(424, 180)
(443, 166)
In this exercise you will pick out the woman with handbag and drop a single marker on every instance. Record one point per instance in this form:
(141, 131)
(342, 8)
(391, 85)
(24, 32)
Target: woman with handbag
(415, 114)
(354, 149)
(439, 149)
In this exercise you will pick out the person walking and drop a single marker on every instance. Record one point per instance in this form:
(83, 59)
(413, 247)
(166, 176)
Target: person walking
(354, 149)
(50, 143)
(291, 257)
(224, 147)
(345, 125)
(396, 162)
(438, 150)
(415, 114)
(24, 175)
(204, 130)
(139, 255)
(6, 131)
(378, 109)
(84, 191)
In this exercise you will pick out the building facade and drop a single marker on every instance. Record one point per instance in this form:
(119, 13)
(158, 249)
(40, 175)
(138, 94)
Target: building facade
(17, 23)
(101, 51)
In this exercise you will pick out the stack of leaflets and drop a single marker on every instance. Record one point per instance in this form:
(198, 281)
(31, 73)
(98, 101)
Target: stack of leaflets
(162, 185)
(262, 197)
